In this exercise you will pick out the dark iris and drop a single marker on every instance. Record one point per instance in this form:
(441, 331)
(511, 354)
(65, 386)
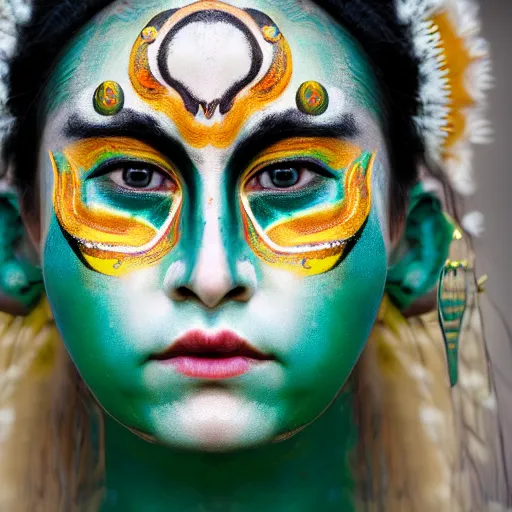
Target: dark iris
(137, 178)
(283, 178)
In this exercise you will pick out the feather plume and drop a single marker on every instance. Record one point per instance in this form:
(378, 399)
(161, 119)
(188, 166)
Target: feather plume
(51, 463)
(455, 75)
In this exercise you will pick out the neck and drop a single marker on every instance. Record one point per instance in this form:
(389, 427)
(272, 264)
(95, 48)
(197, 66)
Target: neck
(306, 472)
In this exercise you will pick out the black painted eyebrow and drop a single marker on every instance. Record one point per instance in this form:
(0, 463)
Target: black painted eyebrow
(134, 125)
(287, 125)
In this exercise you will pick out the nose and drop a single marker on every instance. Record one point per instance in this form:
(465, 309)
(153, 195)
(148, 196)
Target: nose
(214, 279)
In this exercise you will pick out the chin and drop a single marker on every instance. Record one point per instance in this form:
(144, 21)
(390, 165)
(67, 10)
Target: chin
(214, 420)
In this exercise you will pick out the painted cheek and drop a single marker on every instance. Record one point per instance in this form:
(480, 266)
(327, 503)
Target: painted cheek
(336, 312)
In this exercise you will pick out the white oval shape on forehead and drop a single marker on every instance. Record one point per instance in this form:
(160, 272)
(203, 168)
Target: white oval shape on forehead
(208, 58)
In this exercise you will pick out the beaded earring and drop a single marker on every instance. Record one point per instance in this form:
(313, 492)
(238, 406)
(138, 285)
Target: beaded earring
(452, 300)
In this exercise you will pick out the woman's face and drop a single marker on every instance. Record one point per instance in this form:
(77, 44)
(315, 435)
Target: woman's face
(214, 187)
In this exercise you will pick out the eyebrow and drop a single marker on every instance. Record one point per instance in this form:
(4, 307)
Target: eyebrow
(277, 127)
(286, 125)
(134, 125)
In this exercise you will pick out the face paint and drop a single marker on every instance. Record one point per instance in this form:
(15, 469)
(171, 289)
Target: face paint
(307, 228)
(108, 98)
(319, 220)
(312, 98)
(241, 51)
(228, 175)
(118, 201)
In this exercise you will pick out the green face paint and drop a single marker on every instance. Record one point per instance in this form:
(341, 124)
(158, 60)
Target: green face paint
(20, 281)
(222, 204)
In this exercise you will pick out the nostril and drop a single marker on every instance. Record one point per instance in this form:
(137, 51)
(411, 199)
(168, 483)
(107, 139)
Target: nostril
(238, 293)
(184, 293)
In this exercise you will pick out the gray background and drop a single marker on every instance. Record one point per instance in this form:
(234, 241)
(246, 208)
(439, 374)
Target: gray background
(494, 199)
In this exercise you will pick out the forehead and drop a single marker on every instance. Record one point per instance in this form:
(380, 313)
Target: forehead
(210, 55)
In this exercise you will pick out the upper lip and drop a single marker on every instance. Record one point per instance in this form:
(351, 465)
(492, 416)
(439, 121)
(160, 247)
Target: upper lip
(218, 345)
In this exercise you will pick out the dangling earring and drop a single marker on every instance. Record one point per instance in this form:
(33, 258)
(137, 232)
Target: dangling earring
(452, 299)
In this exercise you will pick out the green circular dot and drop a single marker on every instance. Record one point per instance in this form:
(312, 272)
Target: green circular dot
(108, 98)
(312, 98)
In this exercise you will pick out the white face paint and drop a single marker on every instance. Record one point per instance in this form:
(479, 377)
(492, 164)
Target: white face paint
(214, 419)
(218, 51)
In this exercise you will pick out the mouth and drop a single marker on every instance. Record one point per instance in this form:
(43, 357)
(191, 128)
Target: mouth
(202, 355)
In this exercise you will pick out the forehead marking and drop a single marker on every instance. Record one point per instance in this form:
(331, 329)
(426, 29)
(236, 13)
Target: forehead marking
(149, 34)
(209, 66)
(214, 45)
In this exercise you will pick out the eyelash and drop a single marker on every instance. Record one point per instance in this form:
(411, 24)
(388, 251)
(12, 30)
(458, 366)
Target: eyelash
(252, 184)
(314, 167)
(121, 166)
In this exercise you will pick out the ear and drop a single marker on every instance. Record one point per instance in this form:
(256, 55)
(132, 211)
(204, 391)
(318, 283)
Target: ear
(419, 257)
(21, 283)
(29, 209)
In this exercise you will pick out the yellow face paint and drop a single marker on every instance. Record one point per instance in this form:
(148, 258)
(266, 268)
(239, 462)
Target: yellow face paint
(114, 240)
(312, 238)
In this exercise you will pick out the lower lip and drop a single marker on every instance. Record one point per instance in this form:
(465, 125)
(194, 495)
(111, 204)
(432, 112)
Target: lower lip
(211, 368)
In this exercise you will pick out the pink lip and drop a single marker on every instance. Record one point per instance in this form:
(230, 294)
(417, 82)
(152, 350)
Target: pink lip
(211, 356)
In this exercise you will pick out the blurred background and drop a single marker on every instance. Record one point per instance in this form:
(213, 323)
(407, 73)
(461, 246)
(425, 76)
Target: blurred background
(494, 200)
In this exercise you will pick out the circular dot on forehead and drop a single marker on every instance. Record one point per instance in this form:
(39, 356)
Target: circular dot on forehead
(271, 33)
(312, 98)
(149, 34)
(108, 98)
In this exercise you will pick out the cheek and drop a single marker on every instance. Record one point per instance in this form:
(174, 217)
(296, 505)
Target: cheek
(333, 317)
(103, 321)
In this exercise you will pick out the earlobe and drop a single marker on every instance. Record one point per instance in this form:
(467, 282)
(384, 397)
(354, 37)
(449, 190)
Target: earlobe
(420, 255)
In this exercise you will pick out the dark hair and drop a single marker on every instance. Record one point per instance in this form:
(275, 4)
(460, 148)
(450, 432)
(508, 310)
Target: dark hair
(373, 23)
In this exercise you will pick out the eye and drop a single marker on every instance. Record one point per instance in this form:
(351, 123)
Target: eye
(284, 176)
(142, 177)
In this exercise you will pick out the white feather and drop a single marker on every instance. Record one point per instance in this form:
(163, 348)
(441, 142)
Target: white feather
(474, 223)
(459, 168)
(434, 93)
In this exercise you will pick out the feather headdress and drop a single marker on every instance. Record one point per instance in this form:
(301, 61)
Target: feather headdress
(455, 73)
